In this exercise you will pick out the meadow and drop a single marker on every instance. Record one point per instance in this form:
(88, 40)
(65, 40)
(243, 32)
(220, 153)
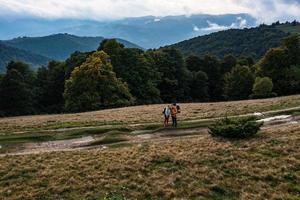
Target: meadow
(266, 166)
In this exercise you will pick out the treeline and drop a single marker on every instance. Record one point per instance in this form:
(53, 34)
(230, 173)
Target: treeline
(115, 76)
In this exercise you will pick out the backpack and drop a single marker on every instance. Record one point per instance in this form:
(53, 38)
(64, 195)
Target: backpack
(178, 108)
(164, 111)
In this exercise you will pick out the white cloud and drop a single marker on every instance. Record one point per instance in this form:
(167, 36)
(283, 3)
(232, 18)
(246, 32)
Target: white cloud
(240, 23)
(265, 10)
(214, 27)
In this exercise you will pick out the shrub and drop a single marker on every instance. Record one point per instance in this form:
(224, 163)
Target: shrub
(235, 128)
(262, 88)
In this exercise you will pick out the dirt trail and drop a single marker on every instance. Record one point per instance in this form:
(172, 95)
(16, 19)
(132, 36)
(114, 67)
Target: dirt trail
(140, 136)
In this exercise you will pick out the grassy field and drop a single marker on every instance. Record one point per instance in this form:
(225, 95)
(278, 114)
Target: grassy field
(142, 115)
(266, 166)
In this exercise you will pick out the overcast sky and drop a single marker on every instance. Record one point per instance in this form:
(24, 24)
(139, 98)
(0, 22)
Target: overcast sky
(264, 10)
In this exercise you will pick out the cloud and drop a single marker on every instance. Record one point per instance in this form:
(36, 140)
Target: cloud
(265, 10)
(212, 27)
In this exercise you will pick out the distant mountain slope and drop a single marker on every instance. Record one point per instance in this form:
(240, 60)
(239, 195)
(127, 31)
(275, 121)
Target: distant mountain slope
(8, 54)
(60, 46)
(239, 42)
(147, 32)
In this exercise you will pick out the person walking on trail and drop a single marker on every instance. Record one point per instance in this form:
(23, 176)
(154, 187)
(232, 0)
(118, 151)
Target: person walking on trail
(167, 113)
(174, 112)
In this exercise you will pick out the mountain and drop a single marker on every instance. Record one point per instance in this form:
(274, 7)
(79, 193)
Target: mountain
(239, 42)
(60, 46)
(8, 53)
(147, 32)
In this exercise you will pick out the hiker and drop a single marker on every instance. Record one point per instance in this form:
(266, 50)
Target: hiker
(174, 112)
(167, 113)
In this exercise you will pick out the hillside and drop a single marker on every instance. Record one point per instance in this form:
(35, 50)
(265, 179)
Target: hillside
(60, 46)
(246, 42)
(8, 53)
(125, 154)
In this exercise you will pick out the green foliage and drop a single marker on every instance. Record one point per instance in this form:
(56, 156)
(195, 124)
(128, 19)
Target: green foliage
(136, 68)
(94, 85)
(16, 89)
(238, 83)
(228, 62)
(253, 42)
(262, 88)
(50, 85)
(194, 63)
(235, 128)
(279, 64)
(174, 84)
(76, 59)
(199, 86)
(212, 67)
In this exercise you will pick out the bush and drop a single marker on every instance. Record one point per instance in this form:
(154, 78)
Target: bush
(262, 88)
(235, 128)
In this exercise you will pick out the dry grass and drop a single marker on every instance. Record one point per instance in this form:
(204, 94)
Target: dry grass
(145, 114)
(264, 167)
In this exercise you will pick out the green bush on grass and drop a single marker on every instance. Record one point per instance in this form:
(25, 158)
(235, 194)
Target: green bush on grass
(235, 128)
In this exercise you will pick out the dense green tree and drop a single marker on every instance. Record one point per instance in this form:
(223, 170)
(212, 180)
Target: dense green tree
(75, 60)
(50, 87)
(136, 68)
(199, 86)
(280, 64)
(292, 46)
(174, 85)
(16, 89)
(238, 83)
(262, 88)
(212, 67)
(228, 62)
(194, 63)
(94, 85)
(276, 66)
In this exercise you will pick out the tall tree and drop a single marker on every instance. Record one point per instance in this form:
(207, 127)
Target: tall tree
(136, 68)
(94, 85)
(238, 83)
(194, 63)
(16, 89)
(174, 85)
(199, 86)
(50, 87)
(212, 67)
(228, 62)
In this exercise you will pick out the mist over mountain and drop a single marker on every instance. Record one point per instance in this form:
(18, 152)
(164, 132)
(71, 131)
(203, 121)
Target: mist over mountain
(147, 32)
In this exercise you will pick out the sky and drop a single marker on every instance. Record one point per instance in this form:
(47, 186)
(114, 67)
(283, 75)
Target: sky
(266, 11)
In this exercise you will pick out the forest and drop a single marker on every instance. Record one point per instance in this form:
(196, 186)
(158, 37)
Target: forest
(115, 76)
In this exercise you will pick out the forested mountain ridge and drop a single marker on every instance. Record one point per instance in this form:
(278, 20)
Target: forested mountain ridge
(247, 42)
(60, 46)
(8, 53)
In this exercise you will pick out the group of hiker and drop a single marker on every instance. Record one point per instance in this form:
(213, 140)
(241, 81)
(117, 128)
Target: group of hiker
(171, 110)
